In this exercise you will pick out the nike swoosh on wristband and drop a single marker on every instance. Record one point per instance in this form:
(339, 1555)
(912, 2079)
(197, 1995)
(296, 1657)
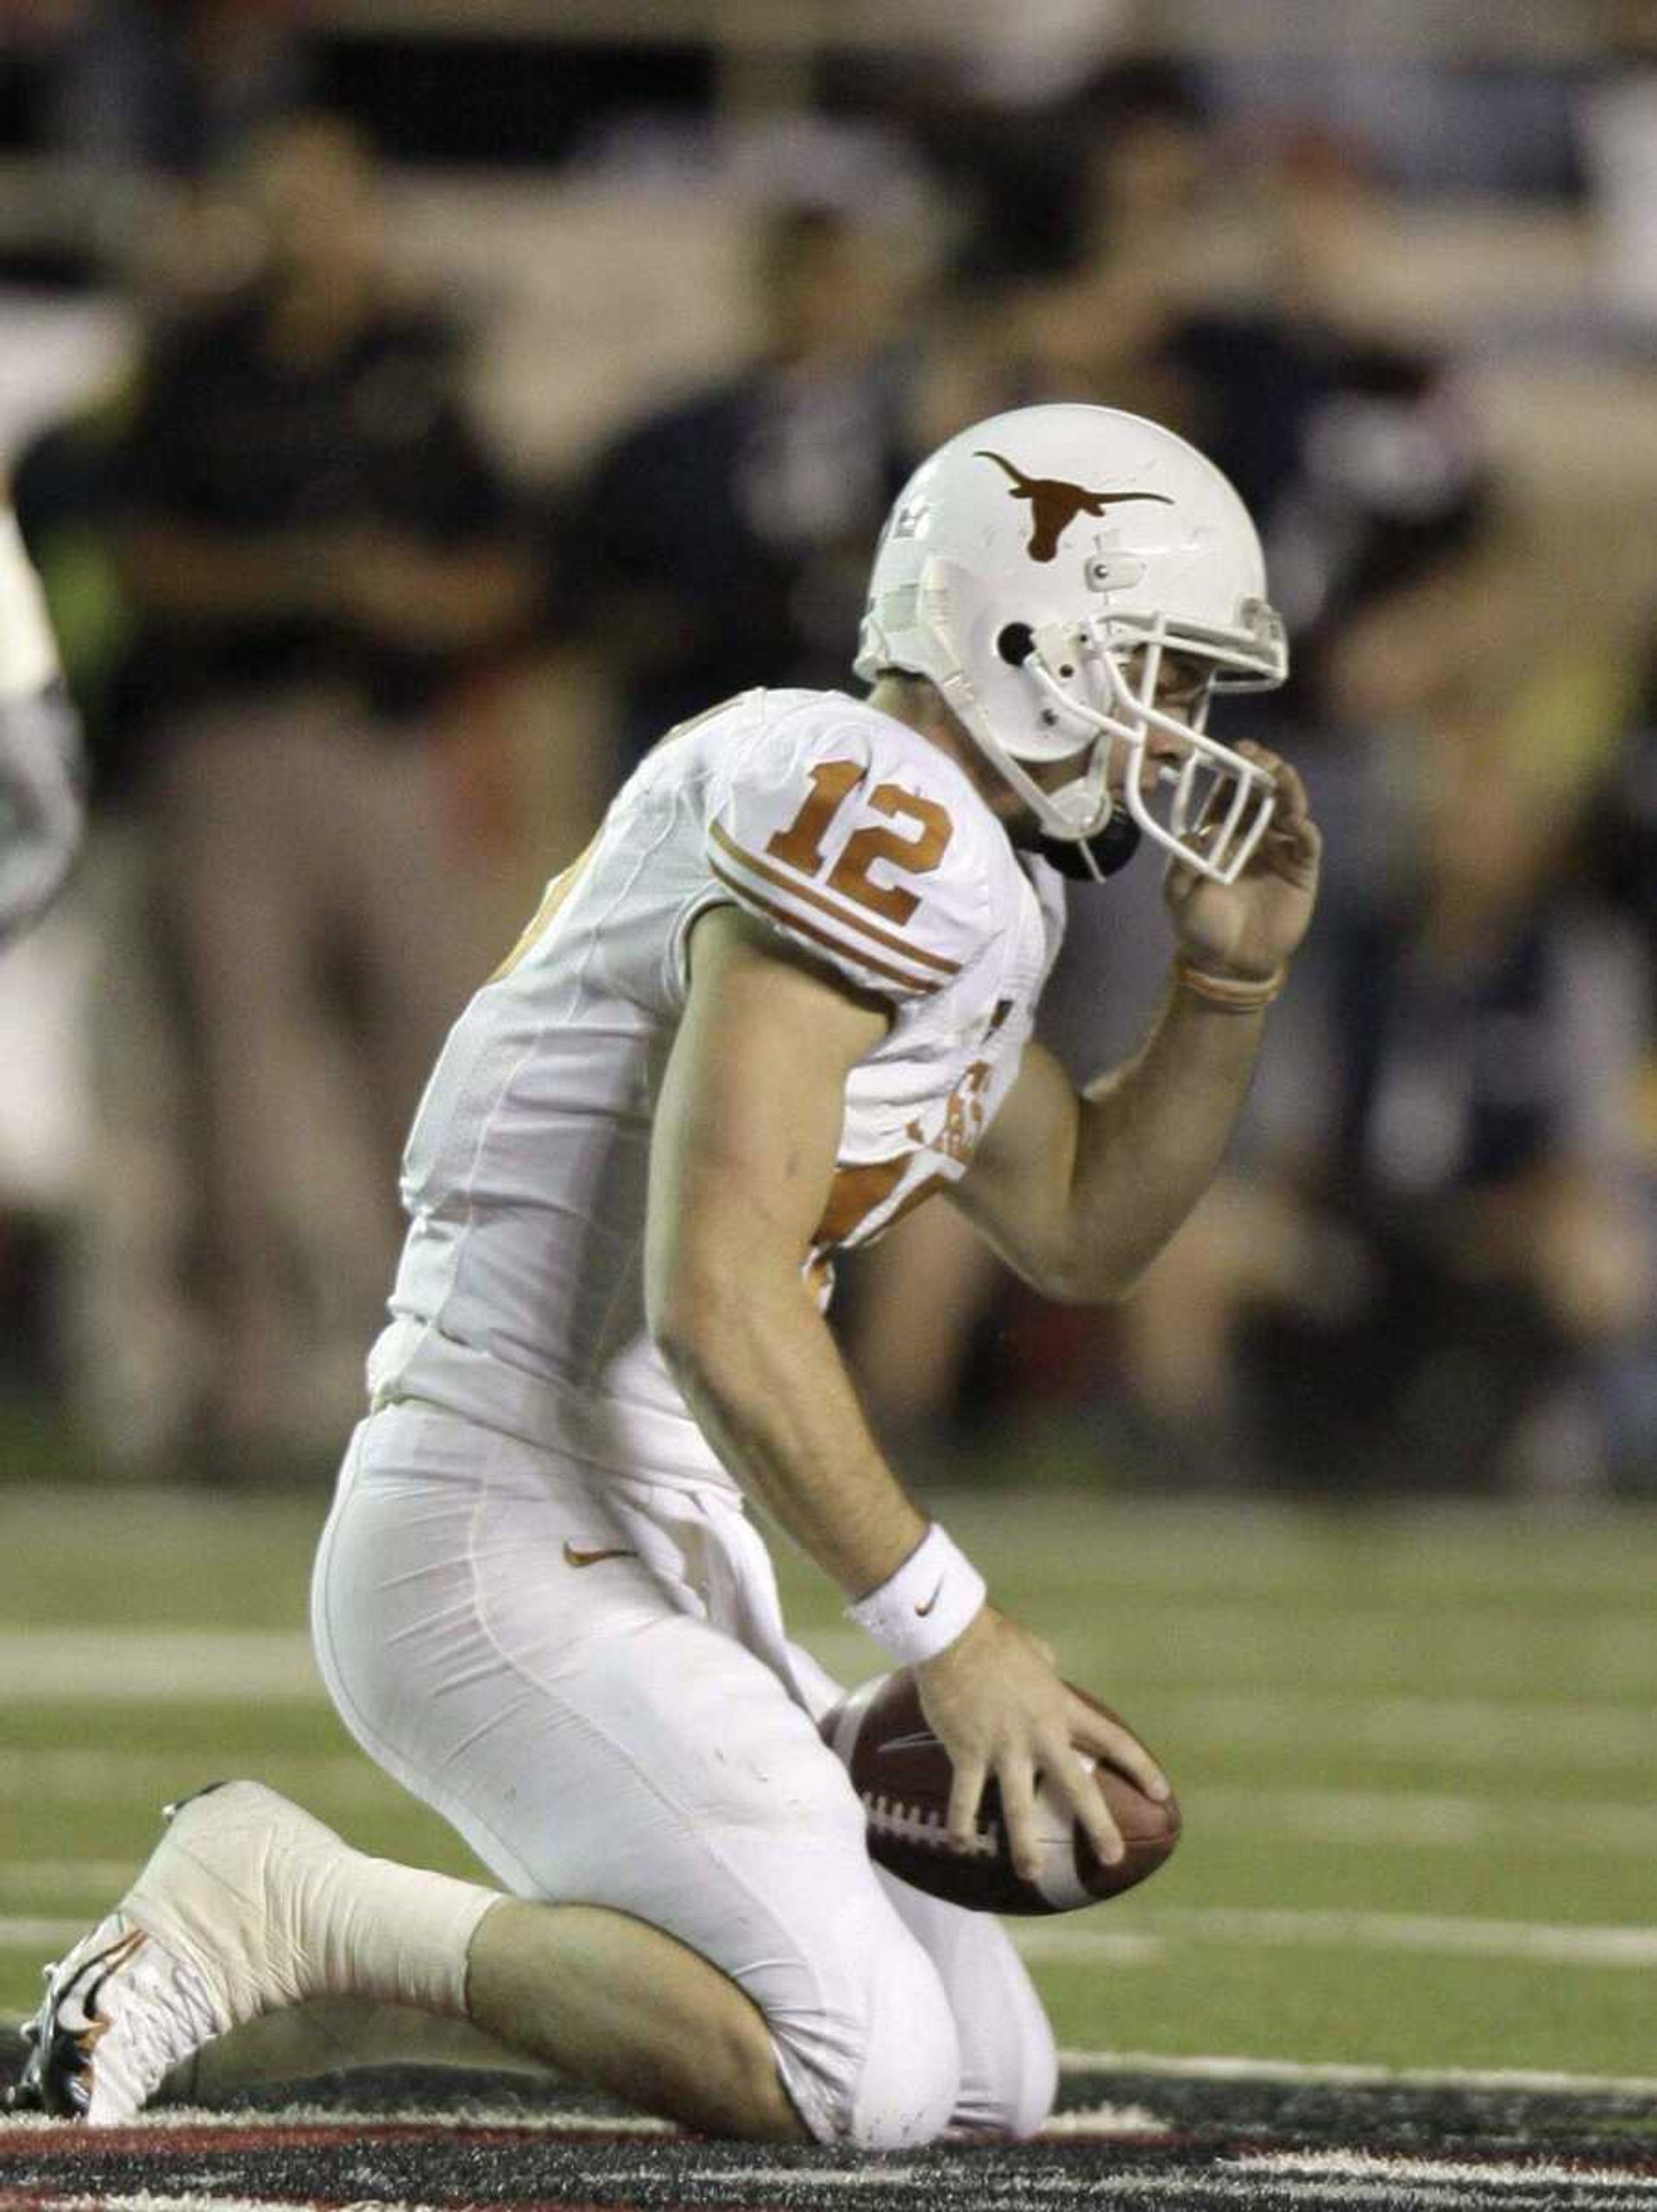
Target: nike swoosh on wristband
(573, 1558)
(937, 1593)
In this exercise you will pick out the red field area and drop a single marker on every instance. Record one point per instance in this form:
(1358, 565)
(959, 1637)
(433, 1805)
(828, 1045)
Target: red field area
(401, 2142)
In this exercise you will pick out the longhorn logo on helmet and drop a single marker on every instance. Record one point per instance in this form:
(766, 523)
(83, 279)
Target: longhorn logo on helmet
(1055, 505)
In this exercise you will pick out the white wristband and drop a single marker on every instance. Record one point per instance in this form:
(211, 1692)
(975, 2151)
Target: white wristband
(925, 1606)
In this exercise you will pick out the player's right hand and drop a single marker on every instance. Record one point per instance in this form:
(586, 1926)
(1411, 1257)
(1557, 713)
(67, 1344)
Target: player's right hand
(997, 1703)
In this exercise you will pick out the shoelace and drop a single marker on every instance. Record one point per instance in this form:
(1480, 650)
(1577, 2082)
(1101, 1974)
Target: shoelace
(167, 2016)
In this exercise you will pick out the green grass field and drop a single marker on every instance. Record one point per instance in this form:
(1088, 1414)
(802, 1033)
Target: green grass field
(1416, 1749)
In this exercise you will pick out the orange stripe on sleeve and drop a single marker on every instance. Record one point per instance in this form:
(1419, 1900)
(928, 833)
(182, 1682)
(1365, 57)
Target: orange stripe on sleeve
(749, 897)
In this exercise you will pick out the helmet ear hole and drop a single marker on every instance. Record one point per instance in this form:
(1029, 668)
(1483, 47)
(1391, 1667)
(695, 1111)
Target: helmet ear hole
(1016, 643)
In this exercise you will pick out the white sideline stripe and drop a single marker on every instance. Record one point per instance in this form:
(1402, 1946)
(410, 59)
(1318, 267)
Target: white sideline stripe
(1095, 2119)
(157, 1666)
(1377, 2185)
(147, 2200)
(1485, 1731)
(1271, 1928)
(1632, 2192)
(874, 2178)
(1523, 2081)
(208, 1665)
(1363, 2165)
(1113, 1946)
(793, 2176)
(1377, 1817)
(565, 2121)
(1217, 2186)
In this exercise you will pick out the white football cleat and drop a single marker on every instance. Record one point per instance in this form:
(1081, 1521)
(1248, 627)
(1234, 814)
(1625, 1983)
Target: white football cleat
(202, 1942)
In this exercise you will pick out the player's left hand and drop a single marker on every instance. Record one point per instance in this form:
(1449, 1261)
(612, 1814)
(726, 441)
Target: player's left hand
(1249, 928)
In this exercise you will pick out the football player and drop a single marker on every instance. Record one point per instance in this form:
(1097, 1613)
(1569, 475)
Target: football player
(41, 814)
(785, 996)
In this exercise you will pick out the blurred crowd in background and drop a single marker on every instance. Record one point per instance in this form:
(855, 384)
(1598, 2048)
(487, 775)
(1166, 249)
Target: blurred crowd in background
(415, 411)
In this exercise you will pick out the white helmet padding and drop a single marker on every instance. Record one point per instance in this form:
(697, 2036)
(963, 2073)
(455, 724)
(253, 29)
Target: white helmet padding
(1036, 570)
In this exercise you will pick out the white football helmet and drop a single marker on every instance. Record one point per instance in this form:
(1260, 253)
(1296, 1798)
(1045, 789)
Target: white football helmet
(1036, 569)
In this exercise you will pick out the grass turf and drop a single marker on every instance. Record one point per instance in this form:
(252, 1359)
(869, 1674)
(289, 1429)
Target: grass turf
(1439, 1714)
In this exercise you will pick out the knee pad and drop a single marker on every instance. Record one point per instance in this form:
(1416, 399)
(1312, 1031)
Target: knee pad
(910, 2080)
(885, 2075)
(1009, 2062)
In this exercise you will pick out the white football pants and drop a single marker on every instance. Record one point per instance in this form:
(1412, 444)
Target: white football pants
(588, 1680)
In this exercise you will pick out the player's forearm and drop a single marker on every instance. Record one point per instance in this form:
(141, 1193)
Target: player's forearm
(1150, 1139)
(761, 1373)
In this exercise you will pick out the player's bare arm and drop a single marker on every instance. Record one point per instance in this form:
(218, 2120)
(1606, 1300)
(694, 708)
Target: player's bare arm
(741, 1159)
(1080, 1192)
(743, 1151)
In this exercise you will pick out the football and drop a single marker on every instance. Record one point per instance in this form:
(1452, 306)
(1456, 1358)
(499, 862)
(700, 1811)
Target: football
(902, 1773)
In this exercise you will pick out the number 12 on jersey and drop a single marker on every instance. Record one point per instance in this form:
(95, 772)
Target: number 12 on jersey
(801, 843)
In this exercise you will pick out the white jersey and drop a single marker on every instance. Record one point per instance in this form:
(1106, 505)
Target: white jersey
(41, 812)
(519, 1300)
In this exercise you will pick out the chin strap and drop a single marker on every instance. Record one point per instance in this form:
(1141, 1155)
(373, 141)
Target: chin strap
(1094, 860)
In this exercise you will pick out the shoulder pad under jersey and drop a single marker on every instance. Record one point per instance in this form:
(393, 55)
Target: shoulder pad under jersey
(864, 843)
